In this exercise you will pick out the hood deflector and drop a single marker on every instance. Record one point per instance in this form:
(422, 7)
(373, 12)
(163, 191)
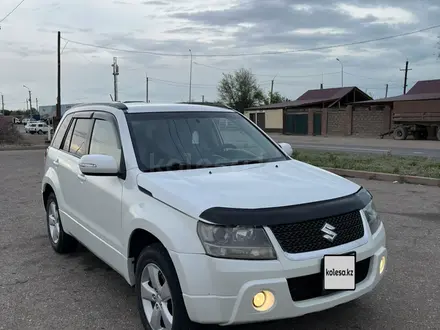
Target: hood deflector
(287, 214)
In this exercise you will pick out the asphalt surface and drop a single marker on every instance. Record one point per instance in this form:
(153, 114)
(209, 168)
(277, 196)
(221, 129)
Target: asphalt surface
(42, 290)
(363, 145)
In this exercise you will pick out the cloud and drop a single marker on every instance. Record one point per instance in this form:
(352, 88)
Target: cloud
(28, 40)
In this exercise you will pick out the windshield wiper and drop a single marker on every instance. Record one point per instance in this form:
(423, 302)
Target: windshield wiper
(176, 167)
(247, 162)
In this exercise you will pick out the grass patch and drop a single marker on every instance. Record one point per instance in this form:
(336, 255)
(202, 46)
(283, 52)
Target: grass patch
(402, 165)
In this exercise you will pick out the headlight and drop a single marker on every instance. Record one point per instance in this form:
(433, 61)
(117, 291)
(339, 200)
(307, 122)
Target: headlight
(235, 242)
(372, 217)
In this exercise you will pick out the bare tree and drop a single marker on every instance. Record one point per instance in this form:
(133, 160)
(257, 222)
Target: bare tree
(240, 90)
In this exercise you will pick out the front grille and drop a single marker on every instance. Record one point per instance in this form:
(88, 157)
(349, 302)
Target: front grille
(307, 236)
(312, 286)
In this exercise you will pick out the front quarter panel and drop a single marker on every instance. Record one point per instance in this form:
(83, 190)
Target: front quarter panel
(174, 229)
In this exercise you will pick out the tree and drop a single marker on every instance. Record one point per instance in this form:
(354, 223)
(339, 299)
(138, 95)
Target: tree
(276, 98)
(240, 90)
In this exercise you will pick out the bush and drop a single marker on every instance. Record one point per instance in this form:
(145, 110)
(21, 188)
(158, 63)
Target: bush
(9, 134)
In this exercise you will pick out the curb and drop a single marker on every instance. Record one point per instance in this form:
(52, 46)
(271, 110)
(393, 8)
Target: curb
(385, 177)
(24, 148)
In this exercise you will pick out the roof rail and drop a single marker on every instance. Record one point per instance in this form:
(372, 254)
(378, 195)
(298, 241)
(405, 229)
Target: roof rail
(209, 104)
(134, 102)
(117, 105)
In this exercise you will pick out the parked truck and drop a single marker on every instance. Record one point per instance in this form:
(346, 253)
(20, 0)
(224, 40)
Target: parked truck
(420, 125)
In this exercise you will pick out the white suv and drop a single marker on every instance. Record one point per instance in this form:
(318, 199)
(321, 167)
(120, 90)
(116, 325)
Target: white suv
(208, 217)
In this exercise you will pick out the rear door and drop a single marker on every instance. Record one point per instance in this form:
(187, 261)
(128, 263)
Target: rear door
(74, 146)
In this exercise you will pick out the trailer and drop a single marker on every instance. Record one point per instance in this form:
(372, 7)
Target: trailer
(419, 125)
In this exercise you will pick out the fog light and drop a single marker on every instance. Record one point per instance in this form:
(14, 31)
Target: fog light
(263, 301)
(382, 265)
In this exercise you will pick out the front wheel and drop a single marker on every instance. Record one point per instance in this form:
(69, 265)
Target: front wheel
(159, 296)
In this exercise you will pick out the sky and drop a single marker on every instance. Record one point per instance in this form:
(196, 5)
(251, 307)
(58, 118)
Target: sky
(275, 39)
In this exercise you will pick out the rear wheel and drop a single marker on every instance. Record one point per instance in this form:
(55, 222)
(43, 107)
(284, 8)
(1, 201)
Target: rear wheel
(438, 133)
(400, 133)
(60, 241)
(40, 132)
(160, 301)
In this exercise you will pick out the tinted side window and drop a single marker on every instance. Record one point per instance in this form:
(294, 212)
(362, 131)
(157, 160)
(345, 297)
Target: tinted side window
(66, 144)
(105, 140)
(58, 138)
(78, 144)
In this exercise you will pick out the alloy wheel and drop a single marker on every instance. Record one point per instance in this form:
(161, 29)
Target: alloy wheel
(54, 222)
(156, 298)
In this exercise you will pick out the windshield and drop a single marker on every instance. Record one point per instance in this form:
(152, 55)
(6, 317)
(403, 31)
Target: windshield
(187, 140)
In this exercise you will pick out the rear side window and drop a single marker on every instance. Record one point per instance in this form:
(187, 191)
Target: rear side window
(68, 138)
(58, 138)
(78, 144)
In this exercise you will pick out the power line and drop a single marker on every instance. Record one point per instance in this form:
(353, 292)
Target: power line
(359, 76)
(271, 75)
(257, 53)
(9, 14)
(184, 84)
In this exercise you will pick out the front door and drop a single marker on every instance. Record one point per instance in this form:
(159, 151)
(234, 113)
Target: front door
(103, 194)
(317, 123)
(261, 120)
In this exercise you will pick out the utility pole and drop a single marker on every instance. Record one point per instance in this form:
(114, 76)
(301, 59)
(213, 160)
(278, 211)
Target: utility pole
(405, 82)
(36, 104)
(203, 98)
(30, 97)
(146, 89)
(57, 118)
(386, 90)
(115, 77)
(190, 74)
(342, 72)
(3, 104)
(27, 104)
(271, 92)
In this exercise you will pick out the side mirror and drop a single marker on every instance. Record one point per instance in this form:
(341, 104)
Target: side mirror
(103, 165)
(287, 148)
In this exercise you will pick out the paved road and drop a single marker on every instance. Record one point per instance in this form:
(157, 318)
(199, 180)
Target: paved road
(42, 290)
(364, 146)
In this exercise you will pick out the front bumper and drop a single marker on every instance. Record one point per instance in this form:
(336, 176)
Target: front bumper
(220, 291)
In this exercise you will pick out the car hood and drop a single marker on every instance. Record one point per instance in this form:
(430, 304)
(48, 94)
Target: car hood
(264, 185)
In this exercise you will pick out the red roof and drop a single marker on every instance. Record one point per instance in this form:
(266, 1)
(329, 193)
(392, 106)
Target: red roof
(312, 97)
(425, 87)
(325, 94)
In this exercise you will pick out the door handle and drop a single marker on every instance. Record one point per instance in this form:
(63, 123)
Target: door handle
(81, 176)
(56, 162)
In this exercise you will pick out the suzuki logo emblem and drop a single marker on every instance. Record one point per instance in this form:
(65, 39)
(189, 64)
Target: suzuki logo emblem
(329, 233)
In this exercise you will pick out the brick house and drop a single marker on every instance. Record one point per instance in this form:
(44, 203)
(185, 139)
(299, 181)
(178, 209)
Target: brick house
(316, 112)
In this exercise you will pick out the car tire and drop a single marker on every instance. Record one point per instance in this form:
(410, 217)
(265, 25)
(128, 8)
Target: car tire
(156, 261)
(61, 242)
(40, 132)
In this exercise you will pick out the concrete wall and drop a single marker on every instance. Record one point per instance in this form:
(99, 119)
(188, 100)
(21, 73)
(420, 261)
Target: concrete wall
(336, 122)
(367, 122)
(273, 119)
